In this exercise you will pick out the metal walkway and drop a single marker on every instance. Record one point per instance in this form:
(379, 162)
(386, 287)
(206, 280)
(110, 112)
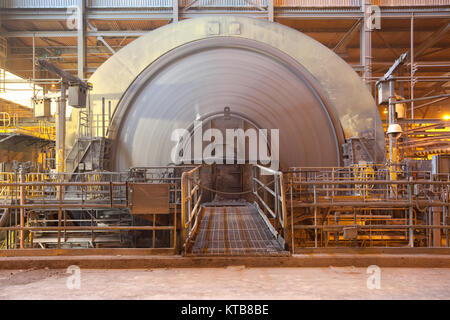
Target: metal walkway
(234, 230)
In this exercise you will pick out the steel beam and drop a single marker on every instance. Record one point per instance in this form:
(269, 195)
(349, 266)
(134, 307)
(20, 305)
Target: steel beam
(342, 44)
(73, 34)
(189, 5)
(167, 14)
(366, 42)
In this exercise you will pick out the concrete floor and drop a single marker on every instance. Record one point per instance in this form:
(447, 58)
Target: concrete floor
(228, 283)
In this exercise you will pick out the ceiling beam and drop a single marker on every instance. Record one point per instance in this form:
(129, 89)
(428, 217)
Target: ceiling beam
(167, 13)
(73, 34)
(432, 40)
(345, 40)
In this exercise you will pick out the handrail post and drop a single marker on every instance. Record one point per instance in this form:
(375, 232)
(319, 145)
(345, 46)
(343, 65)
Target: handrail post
(410, 220)
(283, 201)
(22, 210)
(183, 206)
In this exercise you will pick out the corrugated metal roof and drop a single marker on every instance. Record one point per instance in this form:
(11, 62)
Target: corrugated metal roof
(213, 3)
(130, 3)
(225, 3)
(19, 4)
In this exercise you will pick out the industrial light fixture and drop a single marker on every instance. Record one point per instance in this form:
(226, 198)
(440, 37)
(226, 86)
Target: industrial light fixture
(446, 117)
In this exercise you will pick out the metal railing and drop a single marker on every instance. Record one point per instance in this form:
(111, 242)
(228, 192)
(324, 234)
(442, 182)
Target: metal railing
(41, 209)
(191, 197)
(271, 203)
(14, 124)
(329, 208)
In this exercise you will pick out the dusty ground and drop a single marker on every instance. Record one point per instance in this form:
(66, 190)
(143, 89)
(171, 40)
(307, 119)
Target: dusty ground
(227, 283)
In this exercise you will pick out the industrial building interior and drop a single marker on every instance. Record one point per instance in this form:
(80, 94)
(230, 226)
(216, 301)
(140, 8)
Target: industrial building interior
(92, 91)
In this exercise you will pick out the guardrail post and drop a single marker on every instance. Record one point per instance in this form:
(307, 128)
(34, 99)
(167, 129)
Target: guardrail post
(292, 216)
(175, 245)
(410, 217)
(60, 187)
(315, 217)
(183, 206)
(22, 210)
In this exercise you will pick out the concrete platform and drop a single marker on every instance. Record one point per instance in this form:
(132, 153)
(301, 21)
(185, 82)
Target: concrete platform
(175, 261)
(234, 283)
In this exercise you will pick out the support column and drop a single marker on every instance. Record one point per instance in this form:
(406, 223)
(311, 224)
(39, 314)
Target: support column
(61, 130)
(411, 96)
(392, 121)
(270, 10)
(366, 42)
(81, 38)
(176, 12)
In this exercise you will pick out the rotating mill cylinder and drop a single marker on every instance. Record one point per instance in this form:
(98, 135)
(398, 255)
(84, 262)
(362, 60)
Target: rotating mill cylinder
(268, 75)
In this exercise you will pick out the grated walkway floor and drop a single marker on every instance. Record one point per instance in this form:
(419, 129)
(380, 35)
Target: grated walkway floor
(234, 230)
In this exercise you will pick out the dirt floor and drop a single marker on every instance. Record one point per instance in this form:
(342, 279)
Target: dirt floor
(226, 283)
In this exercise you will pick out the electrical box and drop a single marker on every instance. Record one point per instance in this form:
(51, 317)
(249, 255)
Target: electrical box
(42, 108)
(400, 109)
(88, 166)
(440, 164)
(383, 92)
(77, 96)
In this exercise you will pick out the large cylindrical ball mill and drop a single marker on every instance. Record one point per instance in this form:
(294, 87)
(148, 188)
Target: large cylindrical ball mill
(268, 75)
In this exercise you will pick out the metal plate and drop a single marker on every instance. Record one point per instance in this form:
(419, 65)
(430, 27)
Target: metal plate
(150, 198)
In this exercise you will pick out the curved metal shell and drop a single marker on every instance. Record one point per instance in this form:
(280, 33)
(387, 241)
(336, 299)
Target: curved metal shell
(270, 74)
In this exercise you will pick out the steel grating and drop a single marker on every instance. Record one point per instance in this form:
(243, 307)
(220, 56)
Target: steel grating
(234, 230)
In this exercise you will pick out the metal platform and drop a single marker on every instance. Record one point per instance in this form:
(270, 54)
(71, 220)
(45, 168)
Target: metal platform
(236, 231)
